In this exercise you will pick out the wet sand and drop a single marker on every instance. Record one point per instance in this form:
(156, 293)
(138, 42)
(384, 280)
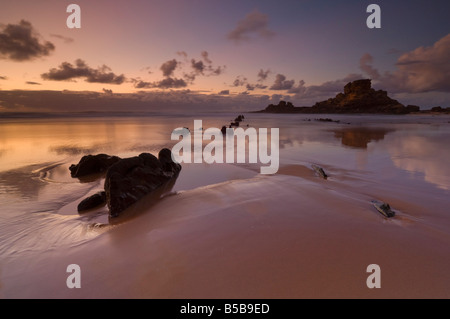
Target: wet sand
(234, 233)
(277, 237)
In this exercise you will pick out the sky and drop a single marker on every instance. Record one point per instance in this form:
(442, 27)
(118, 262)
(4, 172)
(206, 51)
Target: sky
(218, 55)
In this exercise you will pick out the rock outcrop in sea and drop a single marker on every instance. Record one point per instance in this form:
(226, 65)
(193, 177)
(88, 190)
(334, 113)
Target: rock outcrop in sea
(438, 109)
(282, 107)
(358, 97)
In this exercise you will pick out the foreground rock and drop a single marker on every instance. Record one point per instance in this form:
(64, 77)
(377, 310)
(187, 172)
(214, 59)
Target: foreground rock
(92, 164)
(96, 200)
(358, 97)
(319, 170)
(130, 179)
(127, 180)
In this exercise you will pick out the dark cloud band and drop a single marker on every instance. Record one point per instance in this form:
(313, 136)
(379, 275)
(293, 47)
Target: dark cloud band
(67, 72)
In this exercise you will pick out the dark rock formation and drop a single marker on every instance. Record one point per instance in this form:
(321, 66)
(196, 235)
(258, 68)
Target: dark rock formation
(438, 109)
(412, 109)
(130, 179)
(92, 201)
(327, 120)
(282, 107)
(127, 180)
(358, 97)
(240, 118)
(92, 164)
(168, 165)
(319, 170)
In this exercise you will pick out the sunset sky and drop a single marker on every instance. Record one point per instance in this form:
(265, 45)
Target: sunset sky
(222, 54)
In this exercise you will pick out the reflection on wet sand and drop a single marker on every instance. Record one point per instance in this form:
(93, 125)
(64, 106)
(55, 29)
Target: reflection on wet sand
(424, 155)
(21, 182)
(72, 149)
(360, 136)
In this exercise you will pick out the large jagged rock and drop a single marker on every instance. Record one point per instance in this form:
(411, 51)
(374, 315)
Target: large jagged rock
(360, 97)
(130, 179)
(92, 164)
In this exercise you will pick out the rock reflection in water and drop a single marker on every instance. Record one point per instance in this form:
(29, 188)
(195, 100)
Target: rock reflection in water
(360, 136)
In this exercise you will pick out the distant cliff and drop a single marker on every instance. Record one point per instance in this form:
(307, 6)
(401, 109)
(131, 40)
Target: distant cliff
(358, 97)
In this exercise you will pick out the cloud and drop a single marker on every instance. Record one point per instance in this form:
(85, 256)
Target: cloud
(260, 86)
(63, 38)
(312, 93)
(170, 83)
(254, 23)
(217, 71)
(167, 83)
(198, 66)
(262, 75)
(3, 77)
(203, 67)
(139, 84)
(189, 77)
(243, 81)
(364, 65)
(142, 101)
(32, 83)
(299, 88)
(205, 57)
(330, 88)
(281, 83)
(250, 87)
(189, 69)
(147, 69)
(425, 69)
(239, 81)
(182, 54)
(303, 94)
(66, 72)
(20, 42)
(107, 91)
(224, 92)
(394, 51)
(276, 98)
(168, 67)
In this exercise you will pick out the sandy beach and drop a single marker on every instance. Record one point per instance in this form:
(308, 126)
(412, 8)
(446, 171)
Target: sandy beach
(225, 230)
